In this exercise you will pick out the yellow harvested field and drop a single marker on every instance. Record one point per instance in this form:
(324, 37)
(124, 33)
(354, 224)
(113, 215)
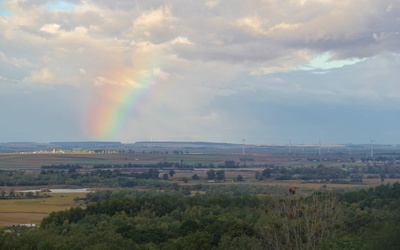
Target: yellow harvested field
(27, 211)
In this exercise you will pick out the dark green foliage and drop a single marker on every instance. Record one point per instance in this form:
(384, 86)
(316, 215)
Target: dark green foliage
(266, 173)
(225, 217)
(168, 220)
(58, 175)
(344, 243)
(388, 237)
(239, 178)
(372, 216)
(171, 173)
(216, 175)
(383, 196)
(231, 164)
(220, 175)
(189, 226)
(211, 174)
(62, 167)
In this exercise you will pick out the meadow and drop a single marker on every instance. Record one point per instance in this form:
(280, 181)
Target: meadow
(32, 211)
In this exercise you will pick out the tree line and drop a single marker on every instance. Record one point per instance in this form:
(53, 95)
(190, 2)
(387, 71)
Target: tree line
(358, 219)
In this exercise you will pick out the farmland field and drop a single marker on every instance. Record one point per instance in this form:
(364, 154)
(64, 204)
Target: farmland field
(20, 161)
(185, 164)
(27, 211)
(13, 161)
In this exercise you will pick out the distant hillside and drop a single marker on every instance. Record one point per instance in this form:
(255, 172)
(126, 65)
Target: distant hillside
(172, 144)
(10, 147)
(86, 145)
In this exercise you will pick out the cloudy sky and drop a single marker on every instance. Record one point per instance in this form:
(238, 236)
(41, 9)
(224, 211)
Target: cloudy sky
(268, 71)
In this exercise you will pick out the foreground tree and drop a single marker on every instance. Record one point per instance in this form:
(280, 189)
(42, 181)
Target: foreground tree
(302, 223)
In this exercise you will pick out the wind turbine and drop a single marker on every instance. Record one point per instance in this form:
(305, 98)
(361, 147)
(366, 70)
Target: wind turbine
(350, 148)
(290, 146)
(243, 146)
(319, 147)
(372, 146)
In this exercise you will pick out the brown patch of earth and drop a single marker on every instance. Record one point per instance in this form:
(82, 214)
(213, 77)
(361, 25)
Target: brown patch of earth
(10, 219)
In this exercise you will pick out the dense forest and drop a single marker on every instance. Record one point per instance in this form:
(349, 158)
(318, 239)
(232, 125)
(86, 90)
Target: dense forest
(174, 219)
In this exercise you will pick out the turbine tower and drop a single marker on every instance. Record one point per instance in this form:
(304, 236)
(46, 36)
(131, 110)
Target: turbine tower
(319, 147)
(372, 146)
(243, 146)
(290, 146)
(350, 148)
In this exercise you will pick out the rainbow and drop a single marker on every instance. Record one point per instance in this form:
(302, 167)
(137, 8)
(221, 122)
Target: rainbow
(115, 101)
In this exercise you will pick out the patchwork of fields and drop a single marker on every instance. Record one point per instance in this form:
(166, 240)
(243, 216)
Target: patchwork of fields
(26, 211)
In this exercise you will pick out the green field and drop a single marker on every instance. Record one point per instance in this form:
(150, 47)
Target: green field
(13, 161)
(20, 161)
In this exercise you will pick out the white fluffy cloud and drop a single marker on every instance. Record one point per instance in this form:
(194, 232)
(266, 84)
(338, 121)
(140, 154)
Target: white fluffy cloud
(41, 76)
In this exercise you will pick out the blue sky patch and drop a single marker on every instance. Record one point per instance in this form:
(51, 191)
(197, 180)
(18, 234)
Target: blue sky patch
(60, 5)
(324, 62)
(3, 11)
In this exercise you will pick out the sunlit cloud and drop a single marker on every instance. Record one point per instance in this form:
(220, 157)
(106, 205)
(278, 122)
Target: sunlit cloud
(40, 76)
